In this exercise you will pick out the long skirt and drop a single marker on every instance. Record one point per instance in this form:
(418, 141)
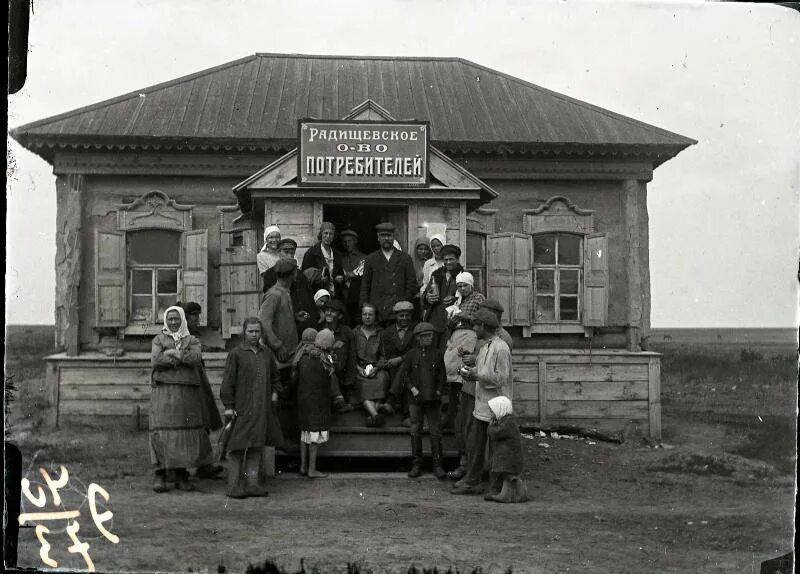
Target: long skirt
(178, 438)
(373, 389)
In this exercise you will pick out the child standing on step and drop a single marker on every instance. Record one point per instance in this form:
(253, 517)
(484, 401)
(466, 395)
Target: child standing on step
(312, 369)
(505, 446)
(424, 374)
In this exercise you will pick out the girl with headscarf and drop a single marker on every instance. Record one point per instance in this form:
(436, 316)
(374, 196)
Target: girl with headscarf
(269, 255)
(325, 261)
(178, 438)
(312, 370)
(436, 243)
(505, 446)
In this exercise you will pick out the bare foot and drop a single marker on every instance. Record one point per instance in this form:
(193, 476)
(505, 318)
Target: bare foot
(303, 471)
(316, 474)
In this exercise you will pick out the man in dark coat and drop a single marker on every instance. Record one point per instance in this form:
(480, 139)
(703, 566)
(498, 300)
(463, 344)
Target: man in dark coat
(389, 275)
(344, 355)
(396, 341)
(353, 266)
(211, 419)
(250, 388)
(442, 292)
(305, 311)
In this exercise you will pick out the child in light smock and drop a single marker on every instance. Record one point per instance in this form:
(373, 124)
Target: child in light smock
(506, 452)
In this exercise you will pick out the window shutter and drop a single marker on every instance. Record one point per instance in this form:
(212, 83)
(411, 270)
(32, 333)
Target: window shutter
(240, 283)
(595, 280)
(509, 275)
(194, 270)
(522, 296)
(110, 309)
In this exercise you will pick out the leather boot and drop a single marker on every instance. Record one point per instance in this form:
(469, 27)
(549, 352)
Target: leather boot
(416, 456)
(459, 472)
(436, 454)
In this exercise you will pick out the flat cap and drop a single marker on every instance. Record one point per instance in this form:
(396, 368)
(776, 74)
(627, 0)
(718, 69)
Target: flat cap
(403, 306)
(384, 226)
(284, 266)
(450, 249)
(287, 241)
(191, 308)
(349, 232)
(493, 305)
(483, 315)
(336, 305)
(424, 328)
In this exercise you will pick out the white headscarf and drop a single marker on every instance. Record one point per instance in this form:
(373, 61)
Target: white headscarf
(465, 277)
(320, 294)
(266, 258)
(182, 332)
(501, 406)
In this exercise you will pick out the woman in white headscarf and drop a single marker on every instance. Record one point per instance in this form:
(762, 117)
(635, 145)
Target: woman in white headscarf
(269, 255)
(432, 264)
(178, 438)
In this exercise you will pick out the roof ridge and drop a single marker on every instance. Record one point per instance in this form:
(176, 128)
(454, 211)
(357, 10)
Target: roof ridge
(581, 103)
(346, 57)
(133, 94)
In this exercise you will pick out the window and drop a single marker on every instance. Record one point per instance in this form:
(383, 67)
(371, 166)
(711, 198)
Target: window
(150, 260)
(476, 259)
(557, 269)
(153, 257)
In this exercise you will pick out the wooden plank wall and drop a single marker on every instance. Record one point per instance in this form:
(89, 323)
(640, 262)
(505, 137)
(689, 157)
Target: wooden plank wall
(607, 391)
(611, 392)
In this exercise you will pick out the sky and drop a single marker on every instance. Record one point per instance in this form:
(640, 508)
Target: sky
(723, 214)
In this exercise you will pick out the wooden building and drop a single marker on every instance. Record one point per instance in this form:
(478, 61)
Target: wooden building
(163, 194)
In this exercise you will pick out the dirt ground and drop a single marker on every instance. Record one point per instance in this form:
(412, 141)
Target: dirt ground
(716, 495)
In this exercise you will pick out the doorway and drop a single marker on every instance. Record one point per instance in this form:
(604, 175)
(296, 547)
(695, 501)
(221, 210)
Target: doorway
(363, 218)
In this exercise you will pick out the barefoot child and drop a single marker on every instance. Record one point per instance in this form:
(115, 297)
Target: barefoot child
(506, 451)
(313, 368)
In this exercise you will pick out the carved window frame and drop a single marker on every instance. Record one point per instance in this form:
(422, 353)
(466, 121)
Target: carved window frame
(557, 215)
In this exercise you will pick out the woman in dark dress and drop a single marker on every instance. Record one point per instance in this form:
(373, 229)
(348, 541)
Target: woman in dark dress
(313, 368)
(322, 264)
(178, 438)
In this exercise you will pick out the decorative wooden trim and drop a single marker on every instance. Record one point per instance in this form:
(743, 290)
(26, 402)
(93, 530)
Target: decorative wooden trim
(439, 193)
(142, 329)
(654, 397)
(543, 392)
(462, 226)
(556, 328)
(69, 261)
(239, 222)
(558, 214)
(152, 210)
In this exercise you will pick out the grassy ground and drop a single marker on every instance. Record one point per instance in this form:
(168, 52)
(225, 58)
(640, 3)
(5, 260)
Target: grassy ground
(716, 496)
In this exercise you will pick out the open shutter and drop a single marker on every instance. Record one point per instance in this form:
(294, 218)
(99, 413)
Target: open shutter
(240, 283)
(595, 280)
(509, 275)
(110, 309)
(194, 270)
(522, 296)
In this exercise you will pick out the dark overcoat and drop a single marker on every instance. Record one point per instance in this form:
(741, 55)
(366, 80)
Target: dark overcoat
(506, 445)
(249, 380)
(314, 258)
(386, 282)
(313, 393)
(393, 346)
(425, 371)
(436, 314)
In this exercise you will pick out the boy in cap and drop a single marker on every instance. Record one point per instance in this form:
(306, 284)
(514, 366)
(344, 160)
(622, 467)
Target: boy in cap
(344, 354)
(389, 275)
(506, 454)
(493, 374)
(424, 373)
(496, 308)
(396, 341)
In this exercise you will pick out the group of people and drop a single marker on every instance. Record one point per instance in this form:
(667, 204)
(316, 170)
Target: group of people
(385, 332)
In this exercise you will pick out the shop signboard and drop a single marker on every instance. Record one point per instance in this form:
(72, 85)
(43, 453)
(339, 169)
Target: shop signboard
(362, 153)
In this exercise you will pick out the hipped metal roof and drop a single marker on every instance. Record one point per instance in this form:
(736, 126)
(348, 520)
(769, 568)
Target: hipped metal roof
(253, 104)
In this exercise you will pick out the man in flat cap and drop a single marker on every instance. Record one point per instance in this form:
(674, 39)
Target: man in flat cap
(305, 311)
(493, 374)
(396, 340)
(211, 418)
(442, 288)
(389, 275)
(280, 336)
(353, 264)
